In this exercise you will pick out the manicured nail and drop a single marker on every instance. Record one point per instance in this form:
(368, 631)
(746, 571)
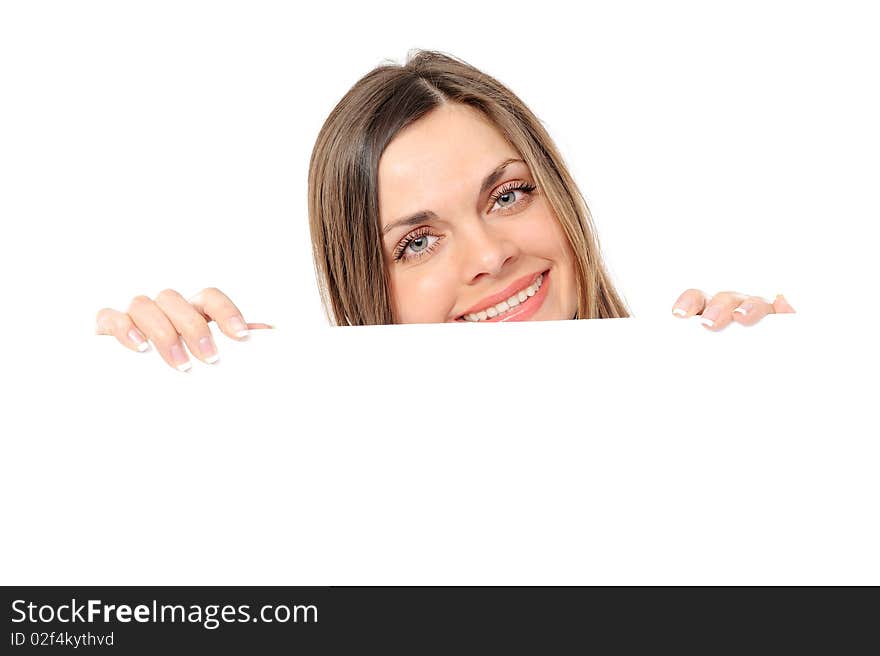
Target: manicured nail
(239, 327)
(208, 349)
(178, 357)
(681, 309)
(710, 316)
(140, 341)
(745, 308)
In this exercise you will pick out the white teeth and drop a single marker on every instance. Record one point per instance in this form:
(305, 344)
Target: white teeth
(504, 306)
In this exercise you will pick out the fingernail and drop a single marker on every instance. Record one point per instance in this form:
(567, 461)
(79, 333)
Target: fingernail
(208, 349)
(681, 309)
(710, 316)
(238, 327)
(178, 357)
(745, 308)
(135, 336)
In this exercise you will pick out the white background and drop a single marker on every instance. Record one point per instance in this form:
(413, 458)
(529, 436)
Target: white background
(145, 146)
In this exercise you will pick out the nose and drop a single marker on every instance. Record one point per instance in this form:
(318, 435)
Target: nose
(486, 252)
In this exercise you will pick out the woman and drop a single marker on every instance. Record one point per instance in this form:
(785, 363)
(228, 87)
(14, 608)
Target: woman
(435, 195)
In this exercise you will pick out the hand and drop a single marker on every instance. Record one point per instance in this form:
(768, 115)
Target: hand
(166, 318)
(725, 307)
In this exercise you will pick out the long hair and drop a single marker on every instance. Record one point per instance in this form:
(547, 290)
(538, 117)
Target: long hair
(343, 182)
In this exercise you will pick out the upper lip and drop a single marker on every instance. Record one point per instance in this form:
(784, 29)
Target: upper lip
(517, 285)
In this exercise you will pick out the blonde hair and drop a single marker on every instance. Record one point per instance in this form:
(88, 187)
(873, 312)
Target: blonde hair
(343, 182)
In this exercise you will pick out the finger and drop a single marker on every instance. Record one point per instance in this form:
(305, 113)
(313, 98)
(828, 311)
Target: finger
(752, 310)
(153, 323)
(113, 322)
(191, 325)
(718, 313)
(215, 305)
(691, 302)
(782, 306)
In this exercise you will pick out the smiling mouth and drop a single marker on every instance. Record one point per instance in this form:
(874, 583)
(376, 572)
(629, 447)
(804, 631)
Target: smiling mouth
(520, 304)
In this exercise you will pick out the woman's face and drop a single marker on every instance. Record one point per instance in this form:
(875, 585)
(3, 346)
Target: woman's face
(466, 236)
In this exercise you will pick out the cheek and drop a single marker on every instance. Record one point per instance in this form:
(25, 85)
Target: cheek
(423, 296)
(542, 236)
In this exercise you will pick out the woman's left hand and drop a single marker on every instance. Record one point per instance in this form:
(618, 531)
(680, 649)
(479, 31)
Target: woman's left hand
(722, 308)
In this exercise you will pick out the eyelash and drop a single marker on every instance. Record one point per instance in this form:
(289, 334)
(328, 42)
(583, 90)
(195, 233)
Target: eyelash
(400, 249)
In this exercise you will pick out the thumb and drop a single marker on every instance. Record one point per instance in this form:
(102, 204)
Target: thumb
(782, 306)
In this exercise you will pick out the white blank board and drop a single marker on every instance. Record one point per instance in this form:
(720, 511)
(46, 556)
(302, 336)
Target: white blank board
(624, 451)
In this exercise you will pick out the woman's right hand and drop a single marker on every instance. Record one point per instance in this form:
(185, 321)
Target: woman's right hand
(168, 317)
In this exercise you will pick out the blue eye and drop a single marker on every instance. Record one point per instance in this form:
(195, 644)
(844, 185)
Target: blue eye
(508, 191)
(415, 244)
(418, 244)
(509, 195)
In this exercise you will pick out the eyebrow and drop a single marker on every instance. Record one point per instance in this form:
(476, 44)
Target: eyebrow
(427, 215)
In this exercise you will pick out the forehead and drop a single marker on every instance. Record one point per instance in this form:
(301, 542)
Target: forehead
(447, 151)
